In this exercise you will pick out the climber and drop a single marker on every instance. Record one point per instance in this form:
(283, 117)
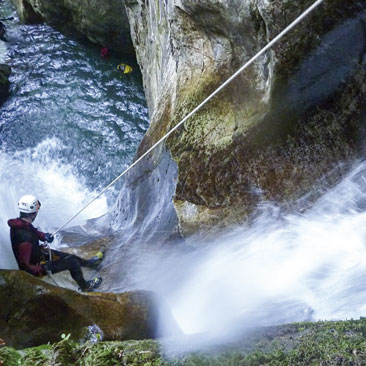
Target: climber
(124, 68)
(105, 53)
(34, 257)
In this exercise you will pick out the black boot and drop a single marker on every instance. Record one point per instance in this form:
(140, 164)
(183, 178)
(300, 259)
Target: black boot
(92, 284)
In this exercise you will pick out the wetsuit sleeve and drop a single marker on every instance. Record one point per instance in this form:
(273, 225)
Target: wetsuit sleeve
(40, 235)
(24, 255)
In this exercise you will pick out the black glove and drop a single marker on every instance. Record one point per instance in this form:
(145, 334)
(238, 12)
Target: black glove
(49, 237)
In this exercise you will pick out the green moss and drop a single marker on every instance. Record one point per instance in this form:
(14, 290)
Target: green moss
(302, 344)
(212, 126)
(328, 343)
(134, 353)
(9, 356)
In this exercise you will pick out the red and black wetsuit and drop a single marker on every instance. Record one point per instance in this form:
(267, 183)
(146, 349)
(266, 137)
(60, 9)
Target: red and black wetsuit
(29, 254)
(25, 242)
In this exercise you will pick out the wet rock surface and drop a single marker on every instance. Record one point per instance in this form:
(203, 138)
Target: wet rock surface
(4, 82)
(33, 312)
(102, 22)
(276, 130)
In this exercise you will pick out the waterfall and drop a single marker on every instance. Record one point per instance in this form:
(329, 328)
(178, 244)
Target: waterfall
(60, 192)
(279, 268)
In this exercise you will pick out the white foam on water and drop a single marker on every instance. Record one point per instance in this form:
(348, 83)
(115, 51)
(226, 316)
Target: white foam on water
(61, 192)
(281, 268)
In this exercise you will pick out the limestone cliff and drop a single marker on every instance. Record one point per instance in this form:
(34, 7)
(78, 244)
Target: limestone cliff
(102, 22)
(284, 123)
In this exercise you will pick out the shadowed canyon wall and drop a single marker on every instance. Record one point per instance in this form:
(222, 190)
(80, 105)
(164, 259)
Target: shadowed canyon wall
(284, 123)
(102, 22)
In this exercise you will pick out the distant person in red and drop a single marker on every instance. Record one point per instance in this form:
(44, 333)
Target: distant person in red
(33, 257)
(105, 53)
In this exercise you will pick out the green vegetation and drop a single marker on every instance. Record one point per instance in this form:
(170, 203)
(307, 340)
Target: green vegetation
(67, 352)
(340, 343)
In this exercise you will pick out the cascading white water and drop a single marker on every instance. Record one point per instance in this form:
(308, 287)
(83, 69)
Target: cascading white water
(33, 171)
(70, 125)
(281, 268)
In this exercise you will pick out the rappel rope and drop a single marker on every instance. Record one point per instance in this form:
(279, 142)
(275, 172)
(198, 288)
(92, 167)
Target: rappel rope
(260, 53)
(49, 272)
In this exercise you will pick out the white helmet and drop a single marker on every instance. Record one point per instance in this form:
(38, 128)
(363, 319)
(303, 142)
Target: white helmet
(28, 204)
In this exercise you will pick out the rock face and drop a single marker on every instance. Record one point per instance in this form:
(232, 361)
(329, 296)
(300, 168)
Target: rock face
(33, 312)
(102, 22)
(4, 82)
(273, 133)
(279, 127)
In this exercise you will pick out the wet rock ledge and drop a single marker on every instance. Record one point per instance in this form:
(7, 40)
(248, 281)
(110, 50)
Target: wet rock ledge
(33, 312)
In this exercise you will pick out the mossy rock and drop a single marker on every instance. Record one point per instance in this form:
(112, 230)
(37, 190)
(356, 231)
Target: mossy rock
(36, 312)
(277, 129)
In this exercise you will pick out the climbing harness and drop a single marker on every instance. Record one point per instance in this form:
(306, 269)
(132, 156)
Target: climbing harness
(49, 273)
(231, 78)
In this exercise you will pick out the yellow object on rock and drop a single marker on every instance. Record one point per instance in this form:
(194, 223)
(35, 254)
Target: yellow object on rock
(126, 69)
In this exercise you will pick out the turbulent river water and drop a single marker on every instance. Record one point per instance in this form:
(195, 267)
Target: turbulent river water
(72, 124)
